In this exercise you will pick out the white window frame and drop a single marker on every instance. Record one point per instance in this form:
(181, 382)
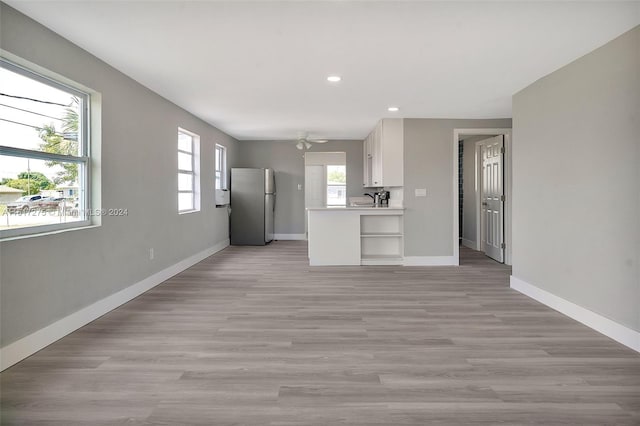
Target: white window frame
(221, 151)
(194, 172)
(83, 159)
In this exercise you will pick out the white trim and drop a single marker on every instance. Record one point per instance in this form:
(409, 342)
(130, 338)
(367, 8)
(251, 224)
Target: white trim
(478, 195)
(468, 243)
(599, 323)
(296, 237)
(507, 132)
(27, 346)
(431, 260)
(508, 192)
(223, 163)
(381, 261)
(455, 195)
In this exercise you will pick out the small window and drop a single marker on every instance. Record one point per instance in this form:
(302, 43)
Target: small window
(221, 167)
(336, 185)
(44, 152)
(188, 171)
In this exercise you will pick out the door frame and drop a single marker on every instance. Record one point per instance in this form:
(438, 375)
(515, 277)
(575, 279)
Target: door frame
(508, 193)
(322, 159)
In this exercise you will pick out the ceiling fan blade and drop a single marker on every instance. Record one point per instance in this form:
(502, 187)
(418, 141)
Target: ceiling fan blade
(318, 140)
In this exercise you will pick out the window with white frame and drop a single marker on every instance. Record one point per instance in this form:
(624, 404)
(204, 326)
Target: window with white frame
(188, 171)
(221, 167)
(44, 153)
(336, 185)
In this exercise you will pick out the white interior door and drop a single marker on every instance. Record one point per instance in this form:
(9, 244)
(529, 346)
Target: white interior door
(492, 205)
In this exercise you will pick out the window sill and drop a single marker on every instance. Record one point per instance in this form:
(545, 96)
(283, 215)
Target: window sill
(188, 211)
(45, 233)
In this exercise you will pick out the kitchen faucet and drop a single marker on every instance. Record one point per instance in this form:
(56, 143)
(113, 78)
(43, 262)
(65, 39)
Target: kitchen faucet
(375, 196)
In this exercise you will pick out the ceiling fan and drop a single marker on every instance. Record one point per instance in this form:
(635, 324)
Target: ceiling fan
(305, 143)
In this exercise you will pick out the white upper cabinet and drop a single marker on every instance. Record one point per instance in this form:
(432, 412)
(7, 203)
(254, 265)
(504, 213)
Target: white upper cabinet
(368, 160)
(383, 154)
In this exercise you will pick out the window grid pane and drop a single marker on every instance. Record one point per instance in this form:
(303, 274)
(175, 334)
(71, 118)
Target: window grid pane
(185, 161)
(55, 126)
(185, 142)
(185, 201)
(185, 182)
(336, 195)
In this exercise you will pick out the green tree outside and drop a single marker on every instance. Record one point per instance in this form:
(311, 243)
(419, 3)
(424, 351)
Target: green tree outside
(65, 144)
(29, 182)
(337, 176)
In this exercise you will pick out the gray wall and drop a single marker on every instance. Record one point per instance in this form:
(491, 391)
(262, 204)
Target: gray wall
(288, 162)
(46, 278)
(428, 163)
(576, 180)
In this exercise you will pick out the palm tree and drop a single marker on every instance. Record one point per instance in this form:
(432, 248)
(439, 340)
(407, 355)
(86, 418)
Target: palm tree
(65, 143)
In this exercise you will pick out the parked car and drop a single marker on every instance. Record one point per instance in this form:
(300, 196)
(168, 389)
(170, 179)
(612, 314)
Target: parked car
(50, 203)
(24, 204)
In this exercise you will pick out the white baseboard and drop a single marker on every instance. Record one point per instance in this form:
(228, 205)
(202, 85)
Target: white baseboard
(290, 236)
(21, 349)
(468, 243)
(430, 261)
(599, 323)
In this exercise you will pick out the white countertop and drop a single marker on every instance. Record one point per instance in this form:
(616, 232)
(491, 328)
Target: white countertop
(349, 208)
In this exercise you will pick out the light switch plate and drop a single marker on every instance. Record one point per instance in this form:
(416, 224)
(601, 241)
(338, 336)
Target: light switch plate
(299, 187)
(421, 192)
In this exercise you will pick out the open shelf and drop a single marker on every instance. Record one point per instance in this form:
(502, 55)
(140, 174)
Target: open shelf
(381, 239)
(380, 224)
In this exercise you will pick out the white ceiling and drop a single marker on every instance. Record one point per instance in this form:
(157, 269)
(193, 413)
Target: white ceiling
(257, 70)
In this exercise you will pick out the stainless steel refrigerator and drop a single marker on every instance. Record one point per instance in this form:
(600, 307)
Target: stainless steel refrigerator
(253, 204)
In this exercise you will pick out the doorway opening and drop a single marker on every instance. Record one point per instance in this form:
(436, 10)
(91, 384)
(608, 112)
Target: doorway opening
(482, 188)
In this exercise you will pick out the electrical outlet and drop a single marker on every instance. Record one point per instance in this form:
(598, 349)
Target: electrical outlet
(151, 254)
(299, 187)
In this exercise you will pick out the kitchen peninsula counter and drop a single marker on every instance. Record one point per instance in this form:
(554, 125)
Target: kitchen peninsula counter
(355, 235)
(349, 208)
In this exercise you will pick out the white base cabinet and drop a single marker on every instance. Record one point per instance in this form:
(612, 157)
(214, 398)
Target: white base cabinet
(356, 236)
(333, 237)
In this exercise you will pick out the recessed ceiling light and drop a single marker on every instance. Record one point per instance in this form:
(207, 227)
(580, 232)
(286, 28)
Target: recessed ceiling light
(334, 78)
(393, 109)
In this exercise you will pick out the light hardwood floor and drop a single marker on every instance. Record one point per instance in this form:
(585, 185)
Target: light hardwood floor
(254, 336)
